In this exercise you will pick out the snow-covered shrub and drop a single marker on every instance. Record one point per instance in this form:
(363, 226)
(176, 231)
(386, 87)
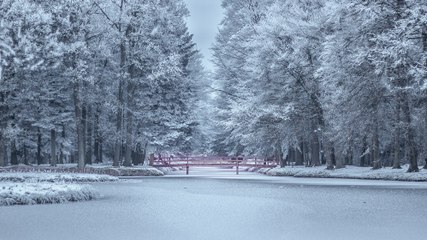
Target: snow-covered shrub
(54, 177)
(44, 193)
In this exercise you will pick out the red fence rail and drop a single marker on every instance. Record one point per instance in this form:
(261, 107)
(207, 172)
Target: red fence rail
(210, 161)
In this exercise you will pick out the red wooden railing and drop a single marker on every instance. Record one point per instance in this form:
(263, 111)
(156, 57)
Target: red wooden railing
(212, 161)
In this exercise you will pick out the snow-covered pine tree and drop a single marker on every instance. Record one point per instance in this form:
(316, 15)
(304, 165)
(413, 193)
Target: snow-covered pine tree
(30, 35)
(230, 54)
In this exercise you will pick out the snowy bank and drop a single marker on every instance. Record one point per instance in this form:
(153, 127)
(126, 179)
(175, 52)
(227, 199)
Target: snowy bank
(91, 169)
(134, 171)
(54, 177)
(43, 193)
(27, 188)
(168, 170)
(350, 172)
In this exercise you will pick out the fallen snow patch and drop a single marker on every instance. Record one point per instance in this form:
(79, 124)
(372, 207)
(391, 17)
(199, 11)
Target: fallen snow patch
(134, 171)
(43, 193)
(54, 177)
(28, 188)
(92, 169)
(168, 170)
(351, 172)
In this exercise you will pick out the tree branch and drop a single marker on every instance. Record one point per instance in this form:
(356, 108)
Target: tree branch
(106, 16)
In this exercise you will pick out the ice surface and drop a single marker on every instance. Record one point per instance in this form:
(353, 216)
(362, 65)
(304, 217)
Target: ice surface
(212, 205)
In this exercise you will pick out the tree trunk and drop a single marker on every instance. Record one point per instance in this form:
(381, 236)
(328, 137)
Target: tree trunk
(100, 150)
(97, 138)
(61, 150)
(73, 157)
(339, 161)
(25, 153)
(424, 41)
(330, 160)
(411, 152)
(396, 154)
(299, 156)
(364, 154)
(53, 148)
(84, 125)
(376, 146)
(128, 147)
(279, 155)
(350, 152)
(13, 154)
(135, 155)
(118, 144)
(144, 154)
(291, 156)
(79, 109)
(80, 143)
(306, 153)
(402, 83)
(117, 153)
(315, 149)
(2, 152)
(96, 149)
(89, 151)
(39, 147)
(129, 95)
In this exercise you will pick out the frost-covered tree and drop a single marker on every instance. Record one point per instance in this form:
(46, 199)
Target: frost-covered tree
(155, 88)
(271, 76)
(289, 60)
(335, 81)
(27, 26)
(230, 56)
(400, 56)
(370, 65)
(72, 70)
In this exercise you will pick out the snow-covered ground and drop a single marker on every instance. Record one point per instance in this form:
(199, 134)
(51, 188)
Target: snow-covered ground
(351, 172)
(168, 170)
(41, 188)
(134, 171)
(54, 177)
(105, 168)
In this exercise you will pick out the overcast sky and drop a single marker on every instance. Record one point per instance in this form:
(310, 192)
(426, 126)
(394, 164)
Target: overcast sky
(205, 16)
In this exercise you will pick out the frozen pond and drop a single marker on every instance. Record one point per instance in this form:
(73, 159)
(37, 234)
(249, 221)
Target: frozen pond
(209, 205)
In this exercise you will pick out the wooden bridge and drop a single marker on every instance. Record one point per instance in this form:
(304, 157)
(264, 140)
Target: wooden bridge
(234, 162)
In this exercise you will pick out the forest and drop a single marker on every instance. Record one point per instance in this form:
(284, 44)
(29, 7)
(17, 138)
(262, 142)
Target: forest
(324, 82)
(307, 82)
(87, 79)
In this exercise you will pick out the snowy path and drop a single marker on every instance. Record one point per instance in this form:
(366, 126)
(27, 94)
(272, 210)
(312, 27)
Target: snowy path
(208, 205)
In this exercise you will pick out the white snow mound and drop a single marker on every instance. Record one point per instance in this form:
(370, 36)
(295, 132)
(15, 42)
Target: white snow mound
(351, 172)
(54, 177)
(43, 193)
(28, 188)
